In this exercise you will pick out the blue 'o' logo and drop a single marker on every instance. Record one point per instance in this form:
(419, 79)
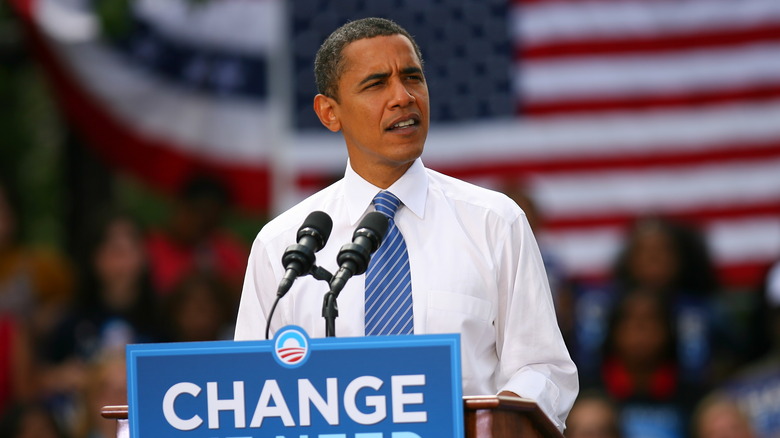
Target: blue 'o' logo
(291, 346)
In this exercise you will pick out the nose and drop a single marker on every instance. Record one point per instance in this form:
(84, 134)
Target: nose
(401, 97)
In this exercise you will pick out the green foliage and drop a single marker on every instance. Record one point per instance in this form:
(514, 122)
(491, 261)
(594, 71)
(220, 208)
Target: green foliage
(30, 139)
(115, 17)
(153, 208)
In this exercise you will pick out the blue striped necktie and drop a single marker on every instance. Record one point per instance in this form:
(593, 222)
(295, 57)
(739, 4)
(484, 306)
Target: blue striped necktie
(388, 280)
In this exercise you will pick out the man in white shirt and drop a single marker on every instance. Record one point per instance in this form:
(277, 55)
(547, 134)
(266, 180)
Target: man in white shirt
(475, 266)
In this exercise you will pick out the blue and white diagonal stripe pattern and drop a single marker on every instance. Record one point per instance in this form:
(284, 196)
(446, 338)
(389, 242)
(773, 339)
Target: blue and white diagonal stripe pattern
(388, 279)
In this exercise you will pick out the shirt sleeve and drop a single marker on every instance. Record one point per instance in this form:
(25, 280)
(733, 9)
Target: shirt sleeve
(534, 362)
(254, 305)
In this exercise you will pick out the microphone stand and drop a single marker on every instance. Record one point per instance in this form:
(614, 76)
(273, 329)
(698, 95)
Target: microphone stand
(318, 273)
(330, 310)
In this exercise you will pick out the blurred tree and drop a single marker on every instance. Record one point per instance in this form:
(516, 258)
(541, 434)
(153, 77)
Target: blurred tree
(30, 138)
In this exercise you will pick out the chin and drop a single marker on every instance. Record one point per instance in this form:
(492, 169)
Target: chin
(409, 157)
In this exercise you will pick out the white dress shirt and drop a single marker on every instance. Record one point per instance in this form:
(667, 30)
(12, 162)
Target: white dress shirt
(476, 270)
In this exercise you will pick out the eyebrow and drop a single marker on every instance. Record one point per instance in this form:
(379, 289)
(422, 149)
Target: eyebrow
(385, 75)
(373, 77)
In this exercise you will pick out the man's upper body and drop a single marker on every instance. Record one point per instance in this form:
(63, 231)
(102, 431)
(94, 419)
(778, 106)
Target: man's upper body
(475, 266)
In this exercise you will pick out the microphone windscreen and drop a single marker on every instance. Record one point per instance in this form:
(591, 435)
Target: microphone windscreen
(320, 221)
(376, 222)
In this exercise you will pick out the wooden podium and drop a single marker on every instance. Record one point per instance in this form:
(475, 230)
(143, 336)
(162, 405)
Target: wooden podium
(492, 416)
(484, 416)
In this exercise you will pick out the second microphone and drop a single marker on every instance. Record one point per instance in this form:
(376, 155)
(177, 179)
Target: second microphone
(353, 258)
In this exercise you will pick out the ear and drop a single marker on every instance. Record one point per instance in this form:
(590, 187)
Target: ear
(327, 110)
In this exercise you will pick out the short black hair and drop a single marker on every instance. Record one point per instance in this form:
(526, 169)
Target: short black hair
(329, 64)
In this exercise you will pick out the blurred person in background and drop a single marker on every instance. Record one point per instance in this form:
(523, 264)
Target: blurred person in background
(667, 258)
(36, 285)
(756, 387)
(594, 415)
(718, 416)
(106, 386)
(671, 260)
(116, 306)
(640, 370)
(195, 239)
(198, 309)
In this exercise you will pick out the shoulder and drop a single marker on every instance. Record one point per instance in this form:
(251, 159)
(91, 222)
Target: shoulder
(470, 198)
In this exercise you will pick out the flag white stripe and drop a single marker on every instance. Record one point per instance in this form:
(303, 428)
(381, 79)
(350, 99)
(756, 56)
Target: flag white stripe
(244, 26)
(584, 252)
(646, 75)
(547, 22)
(65, 23)
(658, 190)
(746, 240)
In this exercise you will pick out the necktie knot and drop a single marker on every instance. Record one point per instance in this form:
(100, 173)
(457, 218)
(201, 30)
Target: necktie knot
(386, 203)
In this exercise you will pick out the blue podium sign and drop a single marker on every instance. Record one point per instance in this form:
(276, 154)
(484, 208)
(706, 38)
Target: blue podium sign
(294, 386)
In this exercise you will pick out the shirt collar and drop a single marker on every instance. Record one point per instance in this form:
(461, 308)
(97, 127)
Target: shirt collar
(411, 189)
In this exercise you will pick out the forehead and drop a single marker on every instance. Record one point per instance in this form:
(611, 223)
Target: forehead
(381, 53)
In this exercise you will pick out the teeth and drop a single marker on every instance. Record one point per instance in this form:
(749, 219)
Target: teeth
(404, 123)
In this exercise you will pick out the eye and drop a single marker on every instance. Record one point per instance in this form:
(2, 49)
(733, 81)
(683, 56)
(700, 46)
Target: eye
(373, 85)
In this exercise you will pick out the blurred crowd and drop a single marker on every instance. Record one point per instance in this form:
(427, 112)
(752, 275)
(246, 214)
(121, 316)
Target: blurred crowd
(663, 351)
(65, 321)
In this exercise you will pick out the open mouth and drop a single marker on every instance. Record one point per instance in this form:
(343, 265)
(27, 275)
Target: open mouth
(406, 123)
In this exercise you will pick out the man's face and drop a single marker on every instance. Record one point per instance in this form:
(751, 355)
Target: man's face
(382, 108)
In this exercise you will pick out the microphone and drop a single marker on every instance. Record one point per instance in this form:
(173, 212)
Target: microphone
(298, 258)
(353, 257)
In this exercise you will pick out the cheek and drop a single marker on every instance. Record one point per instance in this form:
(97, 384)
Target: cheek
(362, 111)
(422, 100)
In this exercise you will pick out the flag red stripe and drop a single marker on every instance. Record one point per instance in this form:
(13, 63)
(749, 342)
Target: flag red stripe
(632, 45)
(743, 276)
(668, 160)
(657, 100)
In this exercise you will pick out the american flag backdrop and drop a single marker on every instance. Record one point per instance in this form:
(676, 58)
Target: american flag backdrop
(605, 110)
